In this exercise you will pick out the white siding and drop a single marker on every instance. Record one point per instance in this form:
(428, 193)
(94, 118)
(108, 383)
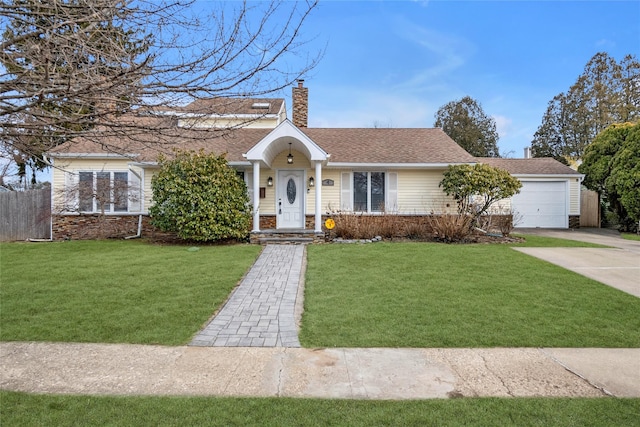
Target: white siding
(419, 193)
(330, 194)
(147, 193)
(65, 173)
(225, 122)
(574, 196)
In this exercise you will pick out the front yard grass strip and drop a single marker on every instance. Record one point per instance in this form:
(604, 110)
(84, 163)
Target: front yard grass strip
(114, 291)
(631, 236)
(20, 409)
(436, 295)
(531, 240)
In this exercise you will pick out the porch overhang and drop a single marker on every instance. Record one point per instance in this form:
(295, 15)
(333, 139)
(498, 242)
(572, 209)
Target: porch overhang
(284, 137)
(278, 140)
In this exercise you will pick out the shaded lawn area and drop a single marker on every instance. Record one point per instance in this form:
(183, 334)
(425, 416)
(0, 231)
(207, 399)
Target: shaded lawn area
(437, 295)
(114, 291)
(25, 409)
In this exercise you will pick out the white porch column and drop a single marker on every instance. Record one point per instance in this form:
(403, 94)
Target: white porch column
(318, 220)
(256, 196)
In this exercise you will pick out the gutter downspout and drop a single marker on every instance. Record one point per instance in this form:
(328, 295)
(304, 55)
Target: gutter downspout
(137, 236)
(139, 229)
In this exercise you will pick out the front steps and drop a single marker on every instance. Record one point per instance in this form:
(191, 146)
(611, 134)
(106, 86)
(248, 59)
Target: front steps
(285, 236)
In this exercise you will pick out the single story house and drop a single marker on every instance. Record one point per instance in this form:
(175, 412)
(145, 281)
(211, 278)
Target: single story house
(295, 175)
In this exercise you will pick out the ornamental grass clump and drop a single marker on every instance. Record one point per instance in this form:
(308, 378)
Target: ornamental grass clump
(366, 226)
(450, 227)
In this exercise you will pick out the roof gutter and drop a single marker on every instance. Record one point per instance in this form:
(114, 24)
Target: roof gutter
(217, 116)
(548, 175)
(339, 165)
(92, 155)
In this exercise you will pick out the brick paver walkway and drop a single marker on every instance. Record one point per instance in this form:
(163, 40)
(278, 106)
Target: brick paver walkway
(261, 311)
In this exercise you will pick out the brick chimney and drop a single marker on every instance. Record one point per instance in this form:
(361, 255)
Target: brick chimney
(300, 100)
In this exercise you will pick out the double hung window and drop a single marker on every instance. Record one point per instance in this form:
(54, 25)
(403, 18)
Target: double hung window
(103, 191)
(368, 192)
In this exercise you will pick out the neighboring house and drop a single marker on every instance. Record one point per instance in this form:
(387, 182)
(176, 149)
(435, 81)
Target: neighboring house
(295, 175)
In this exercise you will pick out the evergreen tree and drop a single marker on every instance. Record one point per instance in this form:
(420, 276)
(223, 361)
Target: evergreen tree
(611, 165)
(606, 92)
(467, 124)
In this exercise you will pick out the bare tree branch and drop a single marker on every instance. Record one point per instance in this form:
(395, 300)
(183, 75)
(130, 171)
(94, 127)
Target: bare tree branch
(100, 69)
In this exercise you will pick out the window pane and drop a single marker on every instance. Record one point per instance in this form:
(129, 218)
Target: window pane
(120, 191)
(360, 191)
(377, 191)
(85, 191)
(291, 191)
(103, 191)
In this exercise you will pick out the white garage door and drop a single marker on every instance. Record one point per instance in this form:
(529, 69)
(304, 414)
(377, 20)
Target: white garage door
(541, 204)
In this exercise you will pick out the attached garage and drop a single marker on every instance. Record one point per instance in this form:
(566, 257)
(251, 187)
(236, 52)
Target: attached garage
(542, 204)
(550, 193)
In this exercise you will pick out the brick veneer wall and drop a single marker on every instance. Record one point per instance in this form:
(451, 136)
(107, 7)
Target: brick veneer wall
(93, 226)
(574, 221)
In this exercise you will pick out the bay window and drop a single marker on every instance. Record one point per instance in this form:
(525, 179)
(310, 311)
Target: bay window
(103, 191)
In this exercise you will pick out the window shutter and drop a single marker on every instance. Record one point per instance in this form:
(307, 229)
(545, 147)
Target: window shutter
(392, 192)
(69, 197)
(346, 197)
(135, 193)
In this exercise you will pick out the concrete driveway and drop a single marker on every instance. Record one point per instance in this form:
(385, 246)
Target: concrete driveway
(618, 266)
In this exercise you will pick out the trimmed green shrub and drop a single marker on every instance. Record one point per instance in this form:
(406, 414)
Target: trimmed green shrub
(200, 197)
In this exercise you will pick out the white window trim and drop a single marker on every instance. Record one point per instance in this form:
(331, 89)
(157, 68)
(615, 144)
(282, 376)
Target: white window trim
(94, 202)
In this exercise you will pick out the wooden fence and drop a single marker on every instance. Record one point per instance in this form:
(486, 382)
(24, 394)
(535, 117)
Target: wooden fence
(25, 215)
(589, 209)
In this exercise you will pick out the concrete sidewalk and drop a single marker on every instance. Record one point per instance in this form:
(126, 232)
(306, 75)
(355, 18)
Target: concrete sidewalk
(376, 373)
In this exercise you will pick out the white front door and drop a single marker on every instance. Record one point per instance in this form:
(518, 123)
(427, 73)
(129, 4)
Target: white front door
(290, 200)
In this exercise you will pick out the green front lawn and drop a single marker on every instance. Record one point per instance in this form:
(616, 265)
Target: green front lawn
(531, 240)
(387, 295)
(19, 409)
(436, 295)
(114, 291)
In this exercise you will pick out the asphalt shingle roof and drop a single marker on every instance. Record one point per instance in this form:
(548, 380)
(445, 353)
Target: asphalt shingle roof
(388, 145)
(234, 106)
(363, 145)
(533, 166)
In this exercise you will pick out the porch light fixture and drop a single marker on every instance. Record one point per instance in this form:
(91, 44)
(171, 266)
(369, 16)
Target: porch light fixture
(270, 182)
(312, 182)
(290, 156)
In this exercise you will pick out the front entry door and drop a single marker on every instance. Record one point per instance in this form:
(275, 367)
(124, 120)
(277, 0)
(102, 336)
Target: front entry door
(290, 200)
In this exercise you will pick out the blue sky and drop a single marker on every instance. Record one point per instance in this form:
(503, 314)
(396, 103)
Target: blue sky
(394, 63)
